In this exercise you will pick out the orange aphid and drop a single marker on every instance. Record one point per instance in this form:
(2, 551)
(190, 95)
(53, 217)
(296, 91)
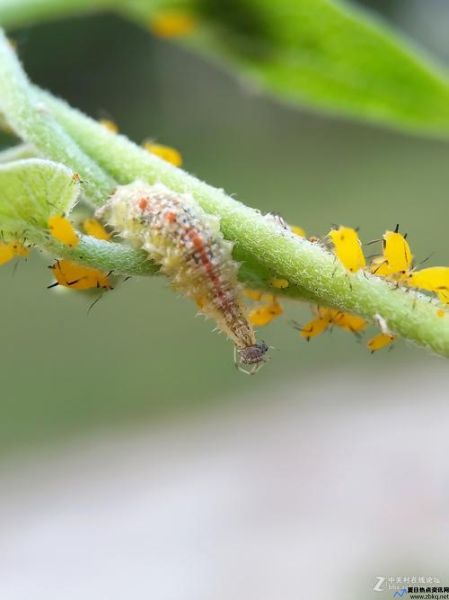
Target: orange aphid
(78, 277)
(109, 125)
(348, 248)
(6, 253)
(172, 23)
(314, 328)
(62, 230)
(167, 153)
(327, 317)
(352, 323)
(9, 250)
(396, 258)
(95, 229)
(380, 341)
(263, 315)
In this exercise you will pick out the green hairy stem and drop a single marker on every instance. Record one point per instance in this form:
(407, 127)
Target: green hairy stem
(265, 249)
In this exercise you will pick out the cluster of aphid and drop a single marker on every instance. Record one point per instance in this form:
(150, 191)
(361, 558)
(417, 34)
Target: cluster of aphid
(191, 251)
(67, 273)
(394, 264)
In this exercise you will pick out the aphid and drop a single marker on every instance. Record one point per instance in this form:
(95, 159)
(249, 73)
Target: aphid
(279, 283)
(188, 244)
(313, 328)
(263, 315)
(109, 125)
(432, 279)
(9, 250)
(397, 257)
(62, 230)
(441, 313)
(172, 23)
(167, 153)
(327, 317)
(352, 323)
(380, 341)
(299, 231)
(78, 277)
(95, 229)
(348, 248)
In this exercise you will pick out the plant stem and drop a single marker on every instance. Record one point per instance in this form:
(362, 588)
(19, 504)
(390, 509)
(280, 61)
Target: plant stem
(60, 132)
(31, 121)
(18, 152)
(311, 270)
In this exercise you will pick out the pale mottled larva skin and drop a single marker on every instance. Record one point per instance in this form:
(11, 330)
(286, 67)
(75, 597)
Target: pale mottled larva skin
(188, 244)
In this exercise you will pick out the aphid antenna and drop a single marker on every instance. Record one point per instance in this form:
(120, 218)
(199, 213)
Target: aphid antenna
(425, 260)
(371, 242)
(52, 285)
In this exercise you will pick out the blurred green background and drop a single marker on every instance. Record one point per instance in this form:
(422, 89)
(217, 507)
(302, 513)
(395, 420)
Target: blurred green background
(141, 354)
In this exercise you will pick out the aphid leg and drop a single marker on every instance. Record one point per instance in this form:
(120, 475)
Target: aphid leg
(94, 303)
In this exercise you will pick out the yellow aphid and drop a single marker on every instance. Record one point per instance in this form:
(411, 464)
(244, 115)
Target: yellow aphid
(397, 257)
(62, 230)
(167, 153)
(109, 125)
(172, 23)
(95, 229)
(298, 230)
(265, 314)
(348, 248)
(350, 322)
(78, 277)
(441, 312)
(380, 341)
(432, 279)
(279, 284)
(9, 250)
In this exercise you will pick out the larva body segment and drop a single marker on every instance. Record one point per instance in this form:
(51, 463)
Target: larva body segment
(188, 245)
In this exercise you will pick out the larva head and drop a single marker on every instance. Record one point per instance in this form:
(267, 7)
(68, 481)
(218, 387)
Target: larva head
(251, 358)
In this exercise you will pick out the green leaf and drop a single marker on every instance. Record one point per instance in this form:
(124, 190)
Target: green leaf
(328, 55)
(31, 191)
